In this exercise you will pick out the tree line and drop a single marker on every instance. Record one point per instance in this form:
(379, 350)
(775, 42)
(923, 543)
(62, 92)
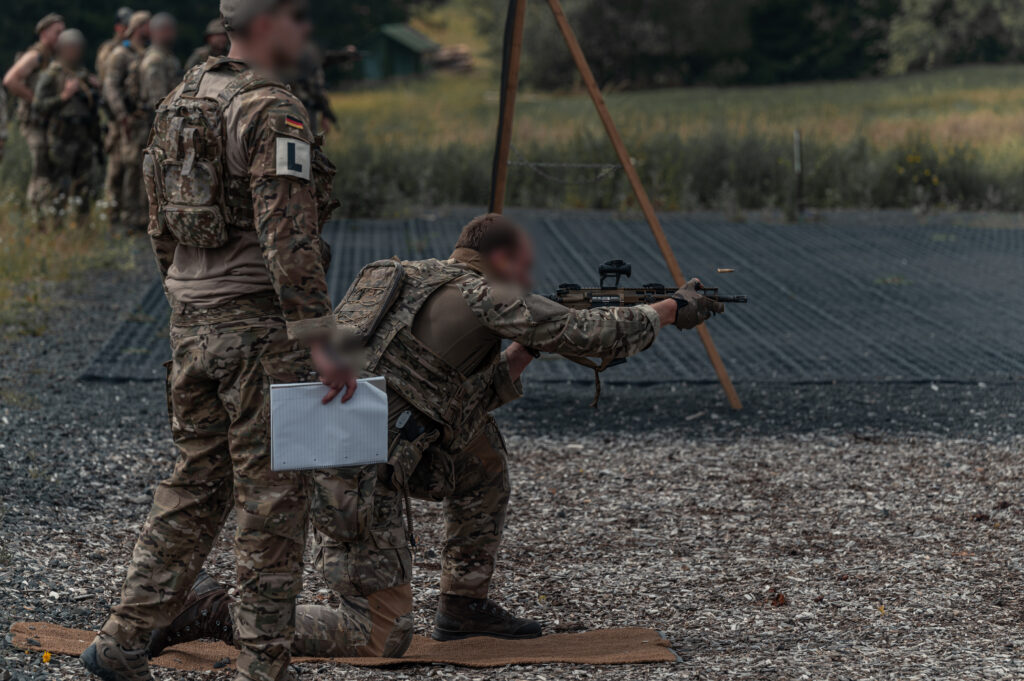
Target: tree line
(652, 43)
(337, 22)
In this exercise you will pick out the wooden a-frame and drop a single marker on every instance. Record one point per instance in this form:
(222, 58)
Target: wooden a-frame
(499, 177)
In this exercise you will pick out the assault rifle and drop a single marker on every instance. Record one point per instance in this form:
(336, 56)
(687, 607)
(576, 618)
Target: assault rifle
(577, 297)
(614, 295)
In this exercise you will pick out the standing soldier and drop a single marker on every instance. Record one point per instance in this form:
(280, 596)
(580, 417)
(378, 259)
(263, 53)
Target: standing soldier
(217, 44)
(122, 92)
(20, 81)
(121, 19)
(238, 194)
(161, 69)
(66, 103)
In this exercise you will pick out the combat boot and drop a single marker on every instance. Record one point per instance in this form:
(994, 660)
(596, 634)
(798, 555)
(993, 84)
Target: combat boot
(460, 617)
(205, 614)
(108, 660)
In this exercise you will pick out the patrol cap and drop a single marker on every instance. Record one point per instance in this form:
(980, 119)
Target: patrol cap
(70, 37)
(138, 20)
(123, 16)
(162, 20)
(215, 27)
(238, 13)
(48, 21)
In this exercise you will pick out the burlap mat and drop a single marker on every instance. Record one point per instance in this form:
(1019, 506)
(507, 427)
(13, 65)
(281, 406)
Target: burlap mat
(608, 646)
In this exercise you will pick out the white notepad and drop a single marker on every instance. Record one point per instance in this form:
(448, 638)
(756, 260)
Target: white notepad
(307, 435)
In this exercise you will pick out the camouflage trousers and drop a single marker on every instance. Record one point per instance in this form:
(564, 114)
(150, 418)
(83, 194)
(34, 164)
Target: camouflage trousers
(124, 186)
(363, 553)
(67, 189)
(35, 139)
(224, 360)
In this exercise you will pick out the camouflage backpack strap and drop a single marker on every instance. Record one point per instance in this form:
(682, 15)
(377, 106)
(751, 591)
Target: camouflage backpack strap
(247, 81)
(192, 81)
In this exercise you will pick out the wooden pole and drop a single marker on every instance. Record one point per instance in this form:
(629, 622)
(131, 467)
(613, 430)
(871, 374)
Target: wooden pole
(638, 189)
(510, 85)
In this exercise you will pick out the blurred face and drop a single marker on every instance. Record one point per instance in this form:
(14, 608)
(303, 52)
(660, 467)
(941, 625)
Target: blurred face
(119, 29)
(218, 42)
(50, 34)
(72, 55)
(514, 265)
(283, 33)
(165, 35)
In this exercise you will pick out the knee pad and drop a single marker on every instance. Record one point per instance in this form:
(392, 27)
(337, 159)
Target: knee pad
(391, 614)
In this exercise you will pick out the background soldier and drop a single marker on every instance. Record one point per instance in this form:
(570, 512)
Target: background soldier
(161, 69)
(440, 349)
(243, 270)
(66, 103)
(21, 82)
(308, 82)
(121, 19)
(217, 44)
(130, 122)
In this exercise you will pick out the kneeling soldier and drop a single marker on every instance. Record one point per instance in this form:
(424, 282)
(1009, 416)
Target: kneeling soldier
(435, 330)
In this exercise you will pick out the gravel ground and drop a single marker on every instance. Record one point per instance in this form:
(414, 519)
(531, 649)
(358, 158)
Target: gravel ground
(842, 531)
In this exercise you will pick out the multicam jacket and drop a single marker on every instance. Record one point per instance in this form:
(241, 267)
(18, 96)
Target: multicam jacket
(459, 401)
(159, 72)
(77, 118)
(121, 86)
(276, 189)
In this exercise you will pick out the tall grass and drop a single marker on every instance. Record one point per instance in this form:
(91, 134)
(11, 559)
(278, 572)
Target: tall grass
(951, 139)
(34, 262)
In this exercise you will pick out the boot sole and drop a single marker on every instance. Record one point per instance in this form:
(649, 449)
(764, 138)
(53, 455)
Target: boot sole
(90, 662)
(447, 635)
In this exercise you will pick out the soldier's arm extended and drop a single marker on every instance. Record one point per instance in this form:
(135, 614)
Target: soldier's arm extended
(544, 325)
(285, 204)
(113, 84)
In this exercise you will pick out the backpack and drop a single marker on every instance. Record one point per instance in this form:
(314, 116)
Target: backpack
(185, 166)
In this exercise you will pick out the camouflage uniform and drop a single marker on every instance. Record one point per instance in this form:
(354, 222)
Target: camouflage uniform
(440, 349)
(103, 53)
(72, 131)
(130, 128)
(160, 72)
(32, 130)
(242, 313)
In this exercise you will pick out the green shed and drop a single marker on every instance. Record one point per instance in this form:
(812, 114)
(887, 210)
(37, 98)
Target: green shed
(397, 50)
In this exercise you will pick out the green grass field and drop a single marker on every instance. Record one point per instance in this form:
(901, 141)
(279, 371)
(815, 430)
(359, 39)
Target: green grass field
(948, 139)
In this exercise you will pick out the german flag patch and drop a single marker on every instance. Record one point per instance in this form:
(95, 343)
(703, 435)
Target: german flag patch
(293, 122)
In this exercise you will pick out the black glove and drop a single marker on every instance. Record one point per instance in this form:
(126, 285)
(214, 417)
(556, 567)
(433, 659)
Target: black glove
(694, 308)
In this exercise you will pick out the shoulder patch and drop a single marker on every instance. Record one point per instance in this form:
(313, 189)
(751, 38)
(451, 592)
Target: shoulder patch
(294, 158)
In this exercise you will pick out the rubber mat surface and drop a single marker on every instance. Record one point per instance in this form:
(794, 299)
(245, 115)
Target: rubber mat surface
(852, 296)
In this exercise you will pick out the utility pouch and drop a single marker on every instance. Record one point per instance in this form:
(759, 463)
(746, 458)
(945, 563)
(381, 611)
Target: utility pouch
(341, 502)
(409, 441)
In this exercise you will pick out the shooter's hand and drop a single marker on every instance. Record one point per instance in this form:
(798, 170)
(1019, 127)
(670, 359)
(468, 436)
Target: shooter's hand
(334, 373)
(694, 308)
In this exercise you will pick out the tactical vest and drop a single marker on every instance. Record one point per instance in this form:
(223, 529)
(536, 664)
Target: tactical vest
(25, 113)
(192, 196)
(382, 312)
